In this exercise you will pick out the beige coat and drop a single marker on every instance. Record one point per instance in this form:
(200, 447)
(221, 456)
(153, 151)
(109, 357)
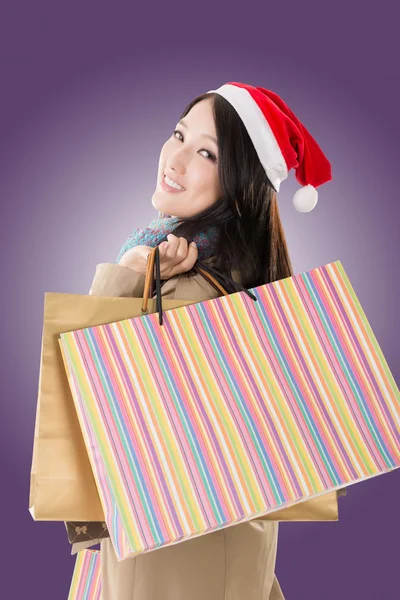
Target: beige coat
(234, 563)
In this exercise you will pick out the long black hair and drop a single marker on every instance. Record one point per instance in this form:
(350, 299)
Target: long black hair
(254, 242)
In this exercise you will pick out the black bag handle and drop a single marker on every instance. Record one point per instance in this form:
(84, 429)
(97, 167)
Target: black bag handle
(220, 282)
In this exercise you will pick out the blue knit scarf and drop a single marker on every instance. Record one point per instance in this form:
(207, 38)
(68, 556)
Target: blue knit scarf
(160, 227)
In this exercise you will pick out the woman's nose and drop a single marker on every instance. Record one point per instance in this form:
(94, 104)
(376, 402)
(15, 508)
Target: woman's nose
(178, 161)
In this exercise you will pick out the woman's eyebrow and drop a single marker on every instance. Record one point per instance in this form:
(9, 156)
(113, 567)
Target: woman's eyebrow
(211, 137)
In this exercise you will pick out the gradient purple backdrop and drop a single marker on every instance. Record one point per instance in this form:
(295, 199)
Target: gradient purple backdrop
(88, 97)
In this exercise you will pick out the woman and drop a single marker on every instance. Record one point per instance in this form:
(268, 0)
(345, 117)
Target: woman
(212, 188)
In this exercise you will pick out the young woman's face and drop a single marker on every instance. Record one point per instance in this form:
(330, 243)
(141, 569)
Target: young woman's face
(189, 158)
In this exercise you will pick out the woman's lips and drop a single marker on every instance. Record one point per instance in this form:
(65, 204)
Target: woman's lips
(168, 188)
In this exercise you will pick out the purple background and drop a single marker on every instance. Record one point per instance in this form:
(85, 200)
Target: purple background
(88, 97)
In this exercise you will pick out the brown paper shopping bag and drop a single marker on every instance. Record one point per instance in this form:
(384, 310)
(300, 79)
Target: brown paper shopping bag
(62, 486)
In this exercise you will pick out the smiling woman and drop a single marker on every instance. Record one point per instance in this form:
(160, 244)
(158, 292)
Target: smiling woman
(217, 182)
(210, 183)
(189, 160)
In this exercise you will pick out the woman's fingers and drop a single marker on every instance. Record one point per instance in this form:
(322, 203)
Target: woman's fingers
(176, 249)
(187, 263)
(176, 256)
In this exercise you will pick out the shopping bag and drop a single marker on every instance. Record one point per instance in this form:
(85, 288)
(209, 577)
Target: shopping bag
(219, 412)
(62, 486)
(323, 508)
(86, 577)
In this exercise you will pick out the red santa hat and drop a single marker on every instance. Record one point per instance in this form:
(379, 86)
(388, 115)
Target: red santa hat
(280, 140)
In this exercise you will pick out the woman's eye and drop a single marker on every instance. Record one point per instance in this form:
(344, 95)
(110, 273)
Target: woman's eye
(210, 155)
(176, 131)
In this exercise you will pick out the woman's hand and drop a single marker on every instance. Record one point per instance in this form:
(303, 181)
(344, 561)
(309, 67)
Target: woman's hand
(176, 256)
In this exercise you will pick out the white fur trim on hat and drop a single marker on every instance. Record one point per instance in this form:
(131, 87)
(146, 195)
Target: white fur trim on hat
(259, 130)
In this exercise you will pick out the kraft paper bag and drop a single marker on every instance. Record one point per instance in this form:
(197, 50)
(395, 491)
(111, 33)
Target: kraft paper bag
(62, 487)
(232, 408)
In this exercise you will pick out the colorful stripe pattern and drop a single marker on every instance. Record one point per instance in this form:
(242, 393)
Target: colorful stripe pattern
(86, 581)
(232, 408)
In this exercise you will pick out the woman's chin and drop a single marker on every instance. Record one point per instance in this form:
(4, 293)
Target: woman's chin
(161, 204)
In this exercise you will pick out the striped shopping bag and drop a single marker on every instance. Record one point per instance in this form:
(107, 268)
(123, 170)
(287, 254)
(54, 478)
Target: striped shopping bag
(232, 408)
(86, 581)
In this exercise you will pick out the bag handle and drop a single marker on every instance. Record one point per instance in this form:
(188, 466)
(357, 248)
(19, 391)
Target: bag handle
(209, 273)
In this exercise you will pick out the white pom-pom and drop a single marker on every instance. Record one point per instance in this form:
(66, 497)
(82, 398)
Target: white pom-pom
(305, 198)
